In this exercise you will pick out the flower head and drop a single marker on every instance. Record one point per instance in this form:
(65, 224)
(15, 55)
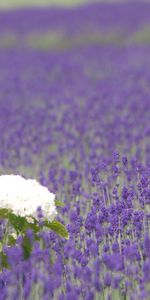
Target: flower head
(24, 196)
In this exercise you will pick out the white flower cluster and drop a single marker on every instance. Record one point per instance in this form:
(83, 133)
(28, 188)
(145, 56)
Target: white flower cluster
(24, 196)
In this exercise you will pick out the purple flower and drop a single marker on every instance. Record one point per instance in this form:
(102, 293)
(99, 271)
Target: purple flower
(114, 262)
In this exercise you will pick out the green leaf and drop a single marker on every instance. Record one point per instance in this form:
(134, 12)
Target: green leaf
(19, 223)
(11, 240)
(58, 227)
(59, 203)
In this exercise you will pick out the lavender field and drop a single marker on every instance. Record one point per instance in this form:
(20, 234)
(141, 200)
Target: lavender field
(75, 115)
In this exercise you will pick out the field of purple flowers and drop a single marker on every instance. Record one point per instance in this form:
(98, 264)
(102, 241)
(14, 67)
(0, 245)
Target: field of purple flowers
(75, 115)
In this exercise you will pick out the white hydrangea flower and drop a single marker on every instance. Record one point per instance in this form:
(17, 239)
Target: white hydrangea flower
(24, 196)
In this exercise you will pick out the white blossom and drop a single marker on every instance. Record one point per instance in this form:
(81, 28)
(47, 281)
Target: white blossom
(23, 197)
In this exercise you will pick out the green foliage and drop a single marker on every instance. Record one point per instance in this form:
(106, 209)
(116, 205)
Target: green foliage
(58, 227)
(11, 240)
(21, 225)
(59, 203)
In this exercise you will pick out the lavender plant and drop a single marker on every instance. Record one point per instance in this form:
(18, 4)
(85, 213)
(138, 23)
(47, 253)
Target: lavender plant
(76, 118)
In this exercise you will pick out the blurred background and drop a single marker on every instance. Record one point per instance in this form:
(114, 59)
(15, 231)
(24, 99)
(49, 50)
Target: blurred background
(14, 3)
(22, 3)
(60, 57)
